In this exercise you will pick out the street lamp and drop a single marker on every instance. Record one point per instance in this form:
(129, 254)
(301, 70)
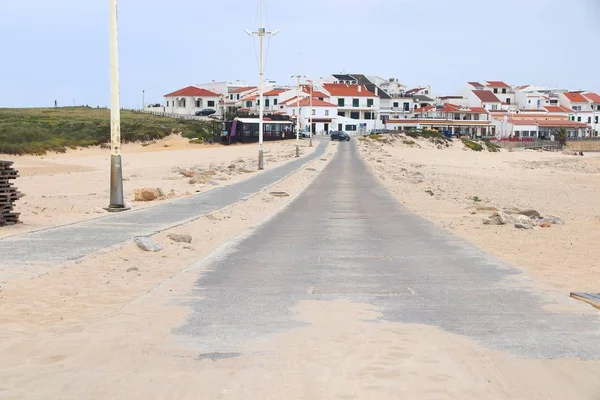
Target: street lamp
(261, 33)
(117, 202)
(310, 132)
(298, 77)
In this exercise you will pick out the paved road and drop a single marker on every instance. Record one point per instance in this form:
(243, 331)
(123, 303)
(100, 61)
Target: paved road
(347, 237)
(75, 241)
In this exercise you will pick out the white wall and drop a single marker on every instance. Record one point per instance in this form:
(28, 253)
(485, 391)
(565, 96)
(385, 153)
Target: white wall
(190, 104)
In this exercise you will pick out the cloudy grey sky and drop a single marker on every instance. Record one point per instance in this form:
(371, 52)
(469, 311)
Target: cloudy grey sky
(58, 49)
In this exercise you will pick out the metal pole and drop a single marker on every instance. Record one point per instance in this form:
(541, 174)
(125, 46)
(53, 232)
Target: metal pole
(261, 79)
(143, 99)
(261, 33)
(310, 132)
(116, 172)
(298, 119)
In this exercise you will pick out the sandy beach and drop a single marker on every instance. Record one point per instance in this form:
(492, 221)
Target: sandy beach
(456, 188)
(99, 328)
(65, 188)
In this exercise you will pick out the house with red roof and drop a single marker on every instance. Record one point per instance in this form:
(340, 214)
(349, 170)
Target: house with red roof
(357, 106)
(485, 99)
(189, 100)
(504, 92)
(322, 113)
(584, 108)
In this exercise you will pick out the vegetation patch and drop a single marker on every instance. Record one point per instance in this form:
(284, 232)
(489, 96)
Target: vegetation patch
(409, 142)
(491, 147)
(429, 192)
(476, 199)
(472, 145)
(39, 130)
(427, 134)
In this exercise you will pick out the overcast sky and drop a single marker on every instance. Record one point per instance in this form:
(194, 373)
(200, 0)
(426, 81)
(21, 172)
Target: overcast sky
(58, 49)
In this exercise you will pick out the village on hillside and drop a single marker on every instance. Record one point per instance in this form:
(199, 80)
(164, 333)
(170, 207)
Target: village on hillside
(364, 103)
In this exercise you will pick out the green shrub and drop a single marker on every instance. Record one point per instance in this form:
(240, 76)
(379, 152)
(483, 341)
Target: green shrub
(38, 130)
(491, 147)
(472, 145)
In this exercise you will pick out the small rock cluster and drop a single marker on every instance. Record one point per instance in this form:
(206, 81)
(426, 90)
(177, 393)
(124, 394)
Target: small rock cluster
(214, 173)
(522, 219)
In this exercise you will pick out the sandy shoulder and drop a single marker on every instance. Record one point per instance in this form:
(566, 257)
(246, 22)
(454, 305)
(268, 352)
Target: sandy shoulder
(66, 188)
(448, 185)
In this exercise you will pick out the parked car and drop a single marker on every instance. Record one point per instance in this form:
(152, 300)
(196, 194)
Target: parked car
(205, 113)
(340, 135)
(305, 134)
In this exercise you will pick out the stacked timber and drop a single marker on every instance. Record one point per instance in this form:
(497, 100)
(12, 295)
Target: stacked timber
(8, 194)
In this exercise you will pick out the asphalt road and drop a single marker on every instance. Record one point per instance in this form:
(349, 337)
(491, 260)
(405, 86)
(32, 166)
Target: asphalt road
(74, 241)
(346, 237)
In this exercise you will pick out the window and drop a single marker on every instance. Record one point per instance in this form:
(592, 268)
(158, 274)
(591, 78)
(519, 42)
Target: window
(230, 97)
(211, 103)
(396, 104)
(322, 98)
(341, 114)
(504, 90)
(341, 103)
(238, 96)
(576, 108)
(327, 113)
(494, 106)
(198, 103)
(495, 90)
(596, 119)
(369, 102)
(275, 101)
(476, 117)
(529, 101)
(427, 92)
(406, 106)
(589, 120)
(258, 102)
(578, 119)
(313, 112)
(167, 104)
(182, 103)
(350, 127)
(355, 102)
(355, 115)
(267, 102)
(507, 101)
(369, 115)
(248, 104)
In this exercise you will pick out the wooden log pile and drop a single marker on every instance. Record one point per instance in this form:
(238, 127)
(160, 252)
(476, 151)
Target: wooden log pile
(8, 194)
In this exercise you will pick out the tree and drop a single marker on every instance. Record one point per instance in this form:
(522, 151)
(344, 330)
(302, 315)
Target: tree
(560, 135)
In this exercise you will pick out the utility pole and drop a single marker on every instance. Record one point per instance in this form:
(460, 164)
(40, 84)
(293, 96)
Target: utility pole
(143, 99)
(298, 77)
(117, 202)
(310, 132)
(261, 33)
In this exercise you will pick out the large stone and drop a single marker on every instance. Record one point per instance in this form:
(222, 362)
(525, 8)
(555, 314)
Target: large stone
(492, 220)
(180, 238)
(530, 213)
(148, 194)
(555, 220)
(523, 226)
(506, 218)
(147, 243)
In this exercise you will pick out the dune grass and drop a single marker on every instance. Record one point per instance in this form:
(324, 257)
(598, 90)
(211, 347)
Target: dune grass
(39, 130)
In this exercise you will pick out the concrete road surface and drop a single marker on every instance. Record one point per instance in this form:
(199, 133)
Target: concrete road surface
(346, 237)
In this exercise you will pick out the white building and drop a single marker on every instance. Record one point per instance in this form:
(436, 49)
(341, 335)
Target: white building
(484, 98)
(357, 107)
(584, 108)
(504, 92)
(189, 100)
(324, 114)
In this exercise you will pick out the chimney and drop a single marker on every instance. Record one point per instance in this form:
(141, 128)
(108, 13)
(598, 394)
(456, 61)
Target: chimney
(376, 91)
(359, 88)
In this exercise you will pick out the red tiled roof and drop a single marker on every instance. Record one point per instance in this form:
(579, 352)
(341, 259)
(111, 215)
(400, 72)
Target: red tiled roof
(475, 84)
(497, 84)
(486, 96)
(479, 110)
(595, 98)
(275, 92)
(250, 98)
(192, 91)
(242, 89)
(305, 102)
(576, 97)
(424, 109)
(342, 90)
(522, 87)
(549, 123)
(315, 93)
(558, 109)
(448, 107)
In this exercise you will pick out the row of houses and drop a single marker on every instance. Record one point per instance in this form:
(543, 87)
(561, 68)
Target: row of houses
(357, 102)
